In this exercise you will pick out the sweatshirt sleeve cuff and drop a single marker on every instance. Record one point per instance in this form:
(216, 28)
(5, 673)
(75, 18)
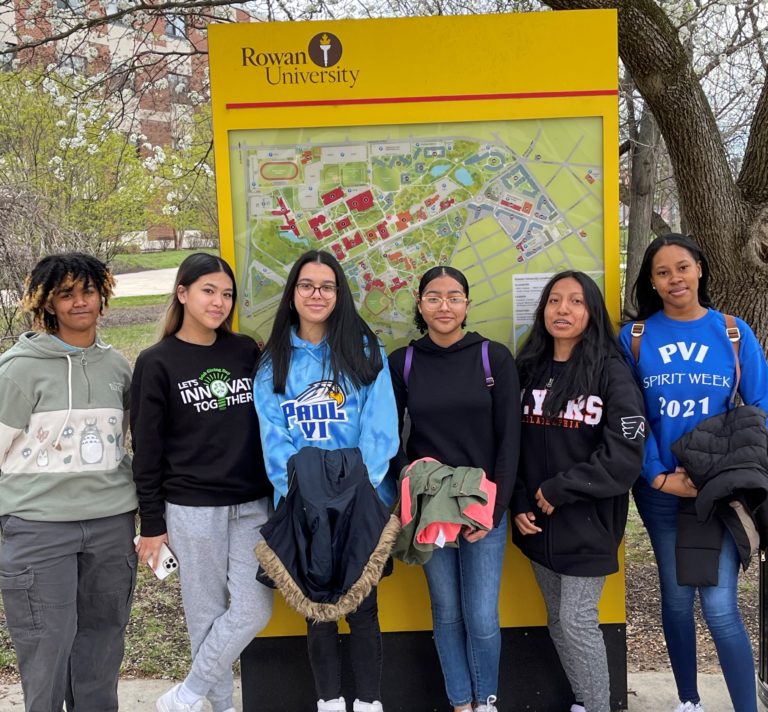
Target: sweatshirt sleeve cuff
(652, 470)
(153, 527)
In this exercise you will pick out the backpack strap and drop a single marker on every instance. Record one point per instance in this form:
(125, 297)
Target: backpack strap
(637, 331)
(489, 381)
(407, 365)
(734, 336)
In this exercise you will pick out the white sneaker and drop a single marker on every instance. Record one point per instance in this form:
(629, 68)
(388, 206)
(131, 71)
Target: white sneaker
(169, 702)
(374, 706)
(488, 706)
(578, 708)
(689, 707)
(337, 705)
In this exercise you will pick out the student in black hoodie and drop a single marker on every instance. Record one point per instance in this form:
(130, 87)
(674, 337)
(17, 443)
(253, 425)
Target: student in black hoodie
(582, 432)
(460, 419)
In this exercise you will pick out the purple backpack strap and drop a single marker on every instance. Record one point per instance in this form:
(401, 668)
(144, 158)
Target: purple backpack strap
(487, 366)
(489, 381)
(407, 364)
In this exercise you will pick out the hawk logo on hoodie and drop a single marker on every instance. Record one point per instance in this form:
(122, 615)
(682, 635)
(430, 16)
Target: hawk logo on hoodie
(315, 409)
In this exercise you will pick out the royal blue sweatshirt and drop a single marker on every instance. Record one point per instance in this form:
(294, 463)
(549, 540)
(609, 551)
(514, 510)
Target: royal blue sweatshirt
(686, 371)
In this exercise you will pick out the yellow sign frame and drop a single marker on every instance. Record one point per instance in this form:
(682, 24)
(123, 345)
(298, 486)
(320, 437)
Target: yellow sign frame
(425, 70)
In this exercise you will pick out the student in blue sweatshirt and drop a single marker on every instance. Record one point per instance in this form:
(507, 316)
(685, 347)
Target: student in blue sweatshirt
(686, 368)
(323, 381)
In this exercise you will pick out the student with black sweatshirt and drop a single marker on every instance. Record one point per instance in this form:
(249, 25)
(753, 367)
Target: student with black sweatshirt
(200, 476)
(462, 399)
(583, 430)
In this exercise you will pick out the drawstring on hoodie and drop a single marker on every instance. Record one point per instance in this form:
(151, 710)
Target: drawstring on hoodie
(57, 442)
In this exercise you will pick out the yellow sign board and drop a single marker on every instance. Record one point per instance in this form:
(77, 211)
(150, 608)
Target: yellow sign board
(488, 142)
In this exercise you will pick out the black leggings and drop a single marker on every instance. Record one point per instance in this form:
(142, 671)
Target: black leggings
(365, 648)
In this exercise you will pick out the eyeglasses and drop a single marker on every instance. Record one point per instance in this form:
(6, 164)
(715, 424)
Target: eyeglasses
(433, 303)
(307, 289)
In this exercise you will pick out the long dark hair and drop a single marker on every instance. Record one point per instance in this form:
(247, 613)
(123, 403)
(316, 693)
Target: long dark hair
(354, 348)
(581, 372)
(59, 271)
(190, 270)
(647, 298)
(427, 277)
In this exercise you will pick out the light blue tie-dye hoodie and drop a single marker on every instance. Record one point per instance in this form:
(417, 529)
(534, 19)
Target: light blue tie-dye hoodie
(315, 412)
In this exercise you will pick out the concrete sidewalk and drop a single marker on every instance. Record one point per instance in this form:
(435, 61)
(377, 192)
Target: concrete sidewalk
(156, 281)
(648, 692)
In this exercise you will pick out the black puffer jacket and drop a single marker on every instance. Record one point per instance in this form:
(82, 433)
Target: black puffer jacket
(328, 543)
(726, 457)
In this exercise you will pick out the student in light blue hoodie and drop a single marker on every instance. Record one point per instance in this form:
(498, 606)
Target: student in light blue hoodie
(323, 381)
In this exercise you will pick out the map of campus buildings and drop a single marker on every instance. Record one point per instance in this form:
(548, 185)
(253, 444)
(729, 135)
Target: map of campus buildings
(508, 203)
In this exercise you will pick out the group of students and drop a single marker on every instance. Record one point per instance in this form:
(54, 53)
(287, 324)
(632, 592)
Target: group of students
(564, 433)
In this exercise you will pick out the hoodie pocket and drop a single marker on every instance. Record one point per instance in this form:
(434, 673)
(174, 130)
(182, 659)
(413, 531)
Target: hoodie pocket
(578, 531)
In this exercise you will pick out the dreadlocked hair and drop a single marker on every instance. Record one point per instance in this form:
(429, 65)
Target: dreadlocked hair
(62, 271)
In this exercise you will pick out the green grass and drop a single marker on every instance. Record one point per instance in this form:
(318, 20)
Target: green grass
(142, 261)
(637, 543)
(143, 301)
(130, 340)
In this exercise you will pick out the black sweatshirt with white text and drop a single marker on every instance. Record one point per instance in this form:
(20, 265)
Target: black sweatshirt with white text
(194, 428)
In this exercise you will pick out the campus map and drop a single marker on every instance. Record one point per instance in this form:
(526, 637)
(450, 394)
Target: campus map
(509, 203)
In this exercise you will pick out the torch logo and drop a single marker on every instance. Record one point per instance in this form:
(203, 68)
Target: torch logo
(325, 49)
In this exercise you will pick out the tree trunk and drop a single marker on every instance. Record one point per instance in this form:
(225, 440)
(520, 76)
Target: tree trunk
(641, 191)
(727, 217)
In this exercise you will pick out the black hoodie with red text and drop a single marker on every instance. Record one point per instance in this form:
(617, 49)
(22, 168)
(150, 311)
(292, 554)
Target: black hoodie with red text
(584, 460)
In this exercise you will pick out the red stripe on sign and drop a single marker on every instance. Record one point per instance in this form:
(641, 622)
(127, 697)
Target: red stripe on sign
(424, 99)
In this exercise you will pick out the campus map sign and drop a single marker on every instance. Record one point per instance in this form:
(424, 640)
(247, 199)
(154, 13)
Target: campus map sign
(396, 154)
(498, 200)
(489, 143)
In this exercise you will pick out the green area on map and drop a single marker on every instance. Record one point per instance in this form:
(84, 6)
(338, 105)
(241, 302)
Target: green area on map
(502, 201)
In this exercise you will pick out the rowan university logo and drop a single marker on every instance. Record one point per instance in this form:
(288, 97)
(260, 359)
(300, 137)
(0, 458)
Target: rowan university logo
(633, 426)
(315, 409)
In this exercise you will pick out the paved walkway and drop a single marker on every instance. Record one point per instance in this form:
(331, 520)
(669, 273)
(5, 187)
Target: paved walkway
(134, 284)
(648, 692)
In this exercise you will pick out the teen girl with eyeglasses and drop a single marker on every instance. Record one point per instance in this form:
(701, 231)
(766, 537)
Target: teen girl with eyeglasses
(320, 352)
(463, 413)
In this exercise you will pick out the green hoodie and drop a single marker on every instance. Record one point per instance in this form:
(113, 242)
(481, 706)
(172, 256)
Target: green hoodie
(63, 420)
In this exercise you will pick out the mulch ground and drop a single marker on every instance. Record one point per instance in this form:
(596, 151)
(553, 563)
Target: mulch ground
(646, 650)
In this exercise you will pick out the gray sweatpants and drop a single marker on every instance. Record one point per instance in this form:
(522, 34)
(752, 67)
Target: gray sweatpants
(224, 605)
(67, 590)
(574, 627)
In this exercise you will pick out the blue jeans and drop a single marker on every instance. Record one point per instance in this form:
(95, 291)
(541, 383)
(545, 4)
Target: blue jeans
(719, 604)
(464, 592)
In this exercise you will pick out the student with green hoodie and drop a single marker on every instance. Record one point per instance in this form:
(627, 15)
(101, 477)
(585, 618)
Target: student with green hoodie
(67, 499)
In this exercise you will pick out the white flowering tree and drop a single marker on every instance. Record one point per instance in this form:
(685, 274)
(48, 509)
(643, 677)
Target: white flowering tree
(186, 183)
(67, 181)
(62, 149)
